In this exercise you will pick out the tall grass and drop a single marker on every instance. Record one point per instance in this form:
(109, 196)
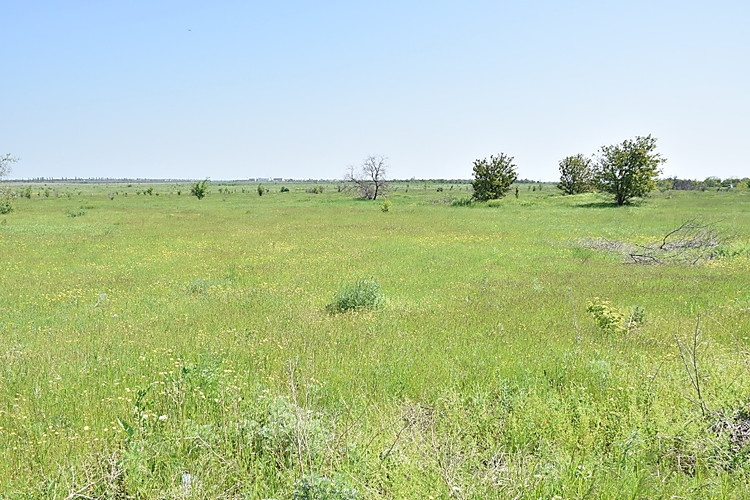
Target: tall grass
(161, 346)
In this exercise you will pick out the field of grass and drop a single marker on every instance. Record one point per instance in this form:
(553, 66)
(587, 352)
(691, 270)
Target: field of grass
(160, 346)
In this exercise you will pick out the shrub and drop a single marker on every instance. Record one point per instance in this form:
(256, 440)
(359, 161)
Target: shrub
(363, 294)
(6, 202)
(287, 433)
(611, 320)
(606, 317)
(199, 189)
(313, 486)
(461, 202)
(386, 205)
(284, 189)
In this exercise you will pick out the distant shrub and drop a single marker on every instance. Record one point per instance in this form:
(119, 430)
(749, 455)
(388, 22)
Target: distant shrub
(261, 190)
(284, 189)
(315, 190)
(198, 287)
(461, 202)
(76, 213)
(6, 201)
(440, 189)
(386, 205)
(199, 189)
(363, 294)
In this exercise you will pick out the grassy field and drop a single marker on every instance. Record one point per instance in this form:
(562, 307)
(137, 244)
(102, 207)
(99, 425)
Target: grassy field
(160, 346)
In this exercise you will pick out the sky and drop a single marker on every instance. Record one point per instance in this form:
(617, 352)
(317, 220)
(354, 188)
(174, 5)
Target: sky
(305, 89)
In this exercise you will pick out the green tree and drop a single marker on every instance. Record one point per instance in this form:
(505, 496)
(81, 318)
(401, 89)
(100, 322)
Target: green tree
(628, 170)
(493, 177)
(199, 189)
(576, 174)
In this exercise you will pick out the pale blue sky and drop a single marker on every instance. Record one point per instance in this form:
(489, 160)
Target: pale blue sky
(302, 89)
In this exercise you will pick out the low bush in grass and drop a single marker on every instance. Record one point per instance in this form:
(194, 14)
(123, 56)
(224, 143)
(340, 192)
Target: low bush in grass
(313, 486)
(363, 294)
(461, 202)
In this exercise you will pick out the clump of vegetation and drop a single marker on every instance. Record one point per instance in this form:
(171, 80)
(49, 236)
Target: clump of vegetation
(611, 320)
(363, 294)
(261, 190)
(284, 189)
(199, 189)
(315, 190)
(6, 195)
(461, 202)
(313, 486)
(287, 433)
(6, 201)
(386, 205)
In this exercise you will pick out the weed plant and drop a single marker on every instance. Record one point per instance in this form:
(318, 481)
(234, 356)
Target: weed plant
(363, 294)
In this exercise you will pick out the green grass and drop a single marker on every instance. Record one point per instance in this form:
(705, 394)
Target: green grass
(158, 346)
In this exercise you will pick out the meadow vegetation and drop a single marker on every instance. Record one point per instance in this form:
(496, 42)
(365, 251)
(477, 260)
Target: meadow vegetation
(314, 345)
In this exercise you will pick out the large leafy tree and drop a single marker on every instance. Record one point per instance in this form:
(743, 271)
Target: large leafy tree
(629, 169)
(576, 174)
(493, 177)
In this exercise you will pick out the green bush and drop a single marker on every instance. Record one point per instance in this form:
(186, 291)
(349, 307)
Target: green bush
(461, 202)
(611, 320)
(364, 294)
(313, 486)
(199, 189)
(386, 205)
(6, 202)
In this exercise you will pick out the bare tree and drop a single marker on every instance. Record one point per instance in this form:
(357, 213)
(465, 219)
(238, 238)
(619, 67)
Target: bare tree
(369, 180)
